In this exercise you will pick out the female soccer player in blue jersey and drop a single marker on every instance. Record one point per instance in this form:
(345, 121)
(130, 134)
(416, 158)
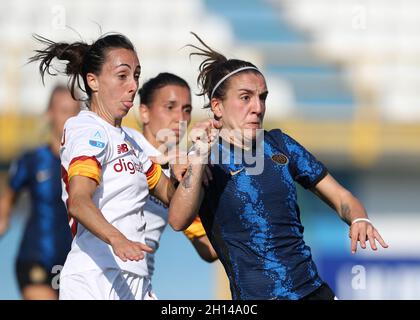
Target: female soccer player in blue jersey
(250, 210)
(47, 238)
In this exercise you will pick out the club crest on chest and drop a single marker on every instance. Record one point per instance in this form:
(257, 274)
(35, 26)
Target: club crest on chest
(280, 158)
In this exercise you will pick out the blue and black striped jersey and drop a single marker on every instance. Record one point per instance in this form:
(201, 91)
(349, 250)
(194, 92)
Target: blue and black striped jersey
(253, 220)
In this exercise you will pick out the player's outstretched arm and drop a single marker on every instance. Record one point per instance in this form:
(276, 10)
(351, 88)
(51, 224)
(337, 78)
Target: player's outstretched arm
(82, 208)
(163, 190)
(199, 239)
(351, 210)
(204, 248)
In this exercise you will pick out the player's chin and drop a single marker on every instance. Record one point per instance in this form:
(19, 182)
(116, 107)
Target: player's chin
(124, 112)
(174, 139)
(120, 115)
(251, 131)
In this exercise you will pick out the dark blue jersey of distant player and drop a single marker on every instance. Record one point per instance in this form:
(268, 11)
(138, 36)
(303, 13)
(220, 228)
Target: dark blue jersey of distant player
(47, 236)
(253, 221)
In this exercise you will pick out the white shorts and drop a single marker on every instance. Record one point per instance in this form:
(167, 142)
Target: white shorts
(109, 284)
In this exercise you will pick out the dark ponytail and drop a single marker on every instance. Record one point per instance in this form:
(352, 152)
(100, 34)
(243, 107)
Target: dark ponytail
(73, 53)
(213, 68)
(81, 58)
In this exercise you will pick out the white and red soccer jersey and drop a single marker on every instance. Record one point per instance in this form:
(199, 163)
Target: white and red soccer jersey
(155, 211)
(109, 155)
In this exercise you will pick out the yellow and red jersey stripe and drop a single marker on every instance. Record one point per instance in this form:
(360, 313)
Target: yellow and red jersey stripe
(153, 175)
(86, 167)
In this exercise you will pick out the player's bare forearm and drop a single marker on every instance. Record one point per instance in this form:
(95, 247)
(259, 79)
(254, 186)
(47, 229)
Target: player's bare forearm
(187, 198)
(82, 208)
(164, 189)
(339, 199)
(204, 248)
(350, 208)
(86, 213)
(7, 200)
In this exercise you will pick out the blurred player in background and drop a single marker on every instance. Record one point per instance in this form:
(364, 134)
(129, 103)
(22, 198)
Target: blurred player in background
(253, 219)
(47, 238)
(165, 113)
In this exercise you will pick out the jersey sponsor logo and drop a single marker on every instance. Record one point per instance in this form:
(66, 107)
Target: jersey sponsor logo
(95, 143)
(280, 158)
(129, 166)
(232, 173)
(122, 148)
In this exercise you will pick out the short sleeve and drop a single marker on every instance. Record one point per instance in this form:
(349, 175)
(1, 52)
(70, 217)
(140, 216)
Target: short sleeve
(153, 170)
(195, 230)
(306, 169)
(19, 173)
(84, 151)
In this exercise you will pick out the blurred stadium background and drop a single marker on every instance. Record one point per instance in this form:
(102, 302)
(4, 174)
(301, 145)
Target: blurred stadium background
(344, 79)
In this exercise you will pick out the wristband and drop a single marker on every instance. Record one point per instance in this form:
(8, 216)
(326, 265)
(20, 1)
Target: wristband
(361, 219)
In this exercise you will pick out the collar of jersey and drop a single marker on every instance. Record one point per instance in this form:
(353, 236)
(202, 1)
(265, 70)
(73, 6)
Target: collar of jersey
(102, 121)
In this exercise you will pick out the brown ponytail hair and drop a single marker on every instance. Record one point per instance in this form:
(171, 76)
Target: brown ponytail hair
(81, 58)
(213, 68)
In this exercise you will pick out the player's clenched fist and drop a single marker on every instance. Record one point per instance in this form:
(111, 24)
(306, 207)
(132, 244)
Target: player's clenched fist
(203, 135)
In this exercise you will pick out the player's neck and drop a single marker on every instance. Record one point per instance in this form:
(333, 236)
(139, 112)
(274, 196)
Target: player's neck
(238, 141)
(151, 138)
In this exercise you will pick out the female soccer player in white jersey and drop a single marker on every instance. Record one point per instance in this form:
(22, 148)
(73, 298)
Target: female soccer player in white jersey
(106, 175)
(165, 113)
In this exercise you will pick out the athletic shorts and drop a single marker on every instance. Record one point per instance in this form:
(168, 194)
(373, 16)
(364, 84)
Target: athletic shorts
(108, 284)
(32, 273)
